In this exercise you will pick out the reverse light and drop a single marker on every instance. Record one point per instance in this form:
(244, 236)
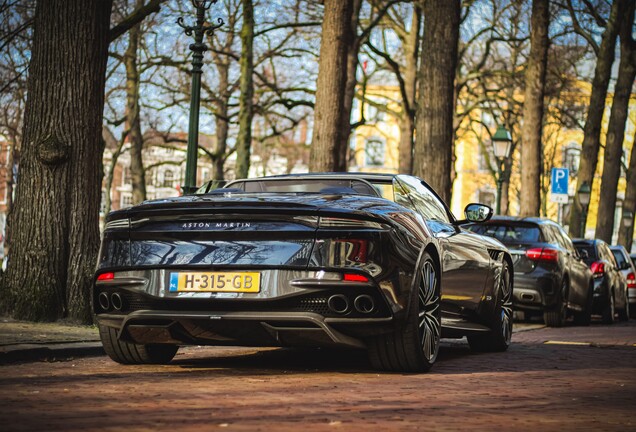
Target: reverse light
(106, 276)
(598, 268)
(543, 254)
(354, 277)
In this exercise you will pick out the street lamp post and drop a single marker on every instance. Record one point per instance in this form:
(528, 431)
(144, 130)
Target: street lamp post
(198, 48)
(584, 193)
(501, 144)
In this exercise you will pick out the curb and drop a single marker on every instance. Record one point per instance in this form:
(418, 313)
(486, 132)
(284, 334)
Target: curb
(49, 352)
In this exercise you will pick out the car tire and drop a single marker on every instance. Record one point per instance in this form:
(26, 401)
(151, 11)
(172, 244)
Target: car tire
(501, 328)
(623, 314)
(556, 317)
(607, 316)
(131, 353)
(414, 345)
(584, 318)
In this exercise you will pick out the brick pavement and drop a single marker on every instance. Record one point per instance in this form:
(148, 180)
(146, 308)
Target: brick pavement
(533, 386)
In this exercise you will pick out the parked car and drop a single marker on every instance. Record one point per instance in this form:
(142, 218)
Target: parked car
(360, 260)
(550, 276)
(627, 268)
(610, 287)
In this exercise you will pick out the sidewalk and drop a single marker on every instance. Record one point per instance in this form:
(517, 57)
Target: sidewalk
(28, 341)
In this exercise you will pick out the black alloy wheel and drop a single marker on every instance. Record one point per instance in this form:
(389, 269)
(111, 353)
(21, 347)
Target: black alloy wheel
(556, 316)
(429, 313)
(413, 346)
(131, 353)
(501, 334)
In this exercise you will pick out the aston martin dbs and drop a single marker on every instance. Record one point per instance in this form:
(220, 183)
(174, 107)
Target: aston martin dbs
(370, 261)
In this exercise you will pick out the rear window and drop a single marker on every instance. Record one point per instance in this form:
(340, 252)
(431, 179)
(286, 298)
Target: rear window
(507, 233)
(300, 185)
(620, 259)
(590, 256)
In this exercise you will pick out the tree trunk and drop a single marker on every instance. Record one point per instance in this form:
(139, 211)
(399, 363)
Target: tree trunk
(221, 120)
(625, 233)
(531, 130)
(433, 145)
(133, 122)
(332, 77)
(592, 128)
(616, 130)
(350, 88)
(244, 139)
(407, 121)
(54, 223)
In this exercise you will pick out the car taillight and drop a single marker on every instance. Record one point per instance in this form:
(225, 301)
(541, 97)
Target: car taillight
(106, 276)
(354, 277)
(543, 254)
(598, 268)
(631, 280)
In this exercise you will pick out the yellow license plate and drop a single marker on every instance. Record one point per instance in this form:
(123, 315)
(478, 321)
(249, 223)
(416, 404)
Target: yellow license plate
(235, 282)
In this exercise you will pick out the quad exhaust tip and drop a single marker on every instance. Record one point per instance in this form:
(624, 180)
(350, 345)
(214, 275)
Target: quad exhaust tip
(116, 301)
(104, 303)
(364, 304)
(338, 303)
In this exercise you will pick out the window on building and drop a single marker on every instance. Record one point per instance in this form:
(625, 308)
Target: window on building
(374, 150)
(126, 200)
(168, 178)
(127, 176)
(102, 206)
(572, 158)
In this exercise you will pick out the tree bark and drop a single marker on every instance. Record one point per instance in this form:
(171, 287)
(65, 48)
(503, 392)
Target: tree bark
(531, 130)
(407, 121)
(592, 129)
(221, 120)
(616, 129)
(244, 139)
(353, 49)
(330, 93)
(626, 233)
(54, 223)
(133, 121)
(434, 123)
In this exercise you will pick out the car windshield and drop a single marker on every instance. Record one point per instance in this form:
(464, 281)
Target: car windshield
(508, 233)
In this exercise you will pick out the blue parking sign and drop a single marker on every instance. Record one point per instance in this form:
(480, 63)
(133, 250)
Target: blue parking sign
(559, 181)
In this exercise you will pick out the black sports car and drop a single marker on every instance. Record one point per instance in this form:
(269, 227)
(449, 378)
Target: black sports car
(371, 261)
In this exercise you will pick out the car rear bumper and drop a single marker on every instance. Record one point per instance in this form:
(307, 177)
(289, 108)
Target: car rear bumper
(534, 293)
(631, 295)
(600, 296)
(243, 328)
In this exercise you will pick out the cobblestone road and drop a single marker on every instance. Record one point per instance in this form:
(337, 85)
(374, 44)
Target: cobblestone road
(583, 379)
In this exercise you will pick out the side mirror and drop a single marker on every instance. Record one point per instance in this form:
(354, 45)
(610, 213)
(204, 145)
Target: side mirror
(475, 212)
